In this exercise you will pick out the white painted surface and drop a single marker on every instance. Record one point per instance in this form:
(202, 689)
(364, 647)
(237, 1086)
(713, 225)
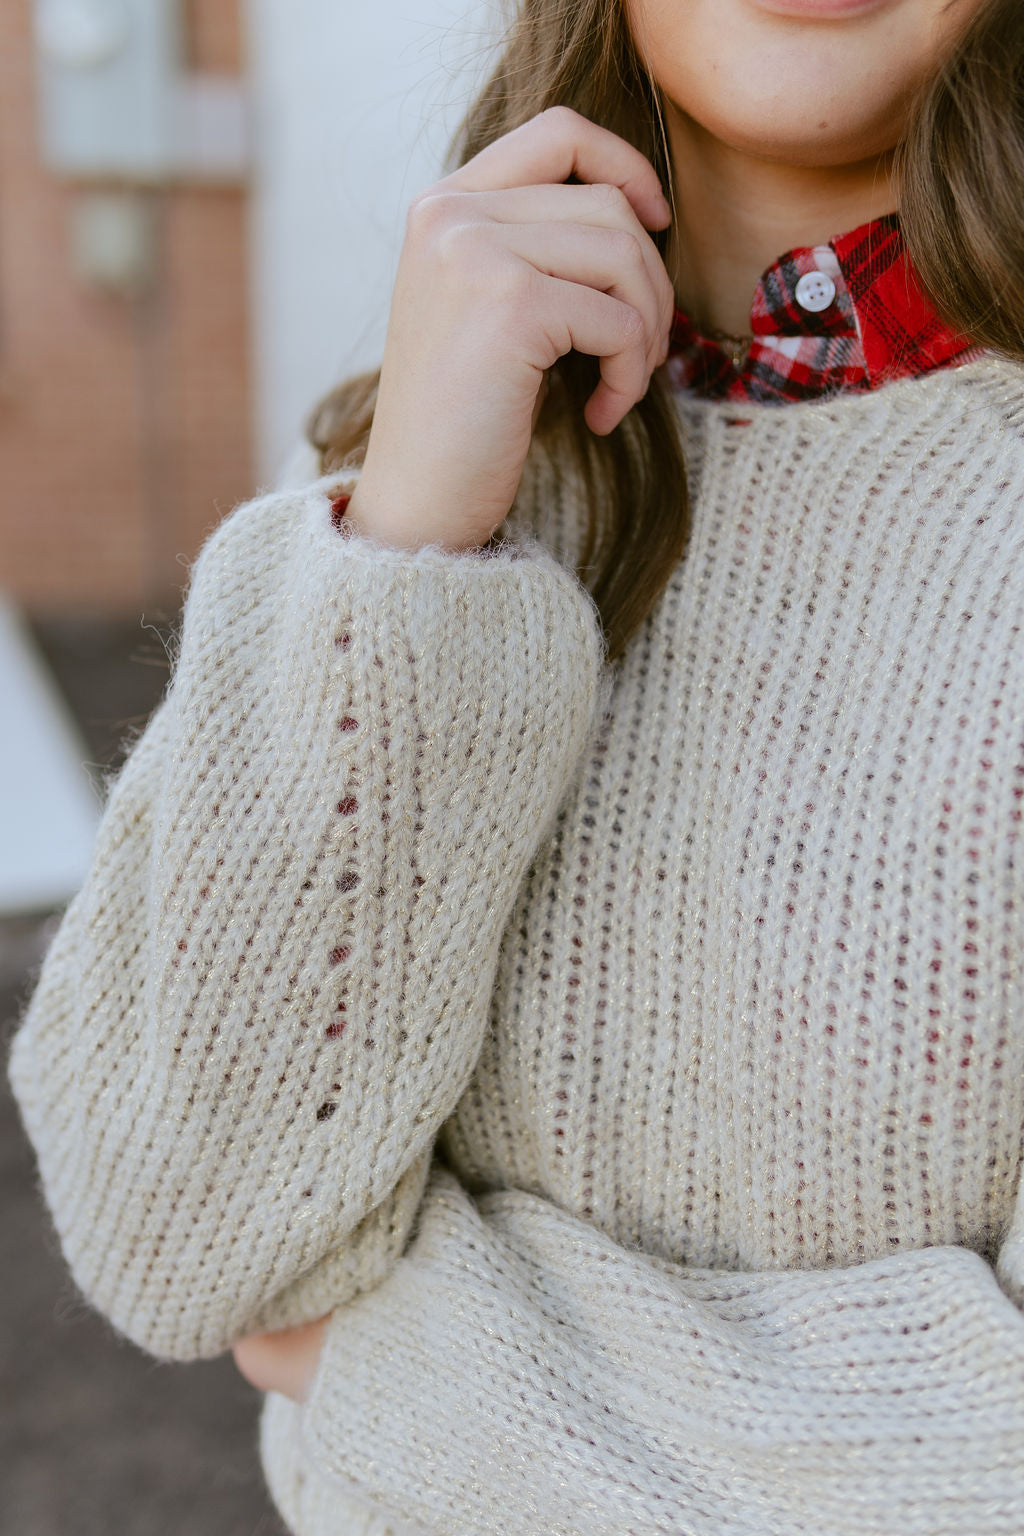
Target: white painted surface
(48, 809)
(354, 108)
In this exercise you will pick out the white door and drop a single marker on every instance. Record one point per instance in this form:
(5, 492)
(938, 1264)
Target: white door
(355, 104)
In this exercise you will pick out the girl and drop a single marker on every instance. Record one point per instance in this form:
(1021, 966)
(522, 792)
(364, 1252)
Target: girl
(589, 1090)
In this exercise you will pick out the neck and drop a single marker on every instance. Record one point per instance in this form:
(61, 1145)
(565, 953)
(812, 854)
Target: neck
(736, 214)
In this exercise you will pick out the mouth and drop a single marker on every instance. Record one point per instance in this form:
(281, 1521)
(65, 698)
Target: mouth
(823, 10)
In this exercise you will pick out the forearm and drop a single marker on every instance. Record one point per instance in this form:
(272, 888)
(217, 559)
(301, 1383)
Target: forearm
(603, 1392)
(251, 1025)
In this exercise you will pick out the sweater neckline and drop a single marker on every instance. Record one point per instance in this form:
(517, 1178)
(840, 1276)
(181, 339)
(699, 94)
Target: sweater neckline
(1000, 380)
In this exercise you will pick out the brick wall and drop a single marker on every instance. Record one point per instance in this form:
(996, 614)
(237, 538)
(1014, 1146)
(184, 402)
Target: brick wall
(124, 422)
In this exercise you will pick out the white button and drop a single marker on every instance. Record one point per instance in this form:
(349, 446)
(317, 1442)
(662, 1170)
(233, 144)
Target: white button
(815, 292)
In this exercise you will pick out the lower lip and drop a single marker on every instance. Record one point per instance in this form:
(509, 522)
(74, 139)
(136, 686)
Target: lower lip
(821, 9)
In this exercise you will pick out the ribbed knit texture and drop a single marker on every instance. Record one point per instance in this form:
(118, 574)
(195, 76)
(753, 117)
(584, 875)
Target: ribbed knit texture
(712, 983)
(272, 989)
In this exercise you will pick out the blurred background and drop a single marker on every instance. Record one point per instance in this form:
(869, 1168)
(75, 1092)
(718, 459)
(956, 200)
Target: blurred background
(201, 205)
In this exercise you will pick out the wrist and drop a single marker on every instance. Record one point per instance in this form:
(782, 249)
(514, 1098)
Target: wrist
(367, 514)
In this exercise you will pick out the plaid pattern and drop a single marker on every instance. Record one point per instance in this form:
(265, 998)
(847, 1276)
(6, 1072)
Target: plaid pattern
(879, 327)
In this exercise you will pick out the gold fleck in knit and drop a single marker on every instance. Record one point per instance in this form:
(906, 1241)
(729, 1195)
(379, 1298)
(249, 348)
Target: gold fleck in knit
(702, 975)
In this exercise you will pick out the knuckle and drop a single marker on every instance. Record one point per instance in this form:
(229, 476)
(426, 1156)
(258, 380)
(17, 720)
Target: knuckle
(632, 322)
(459, 244)
(522, 322)
(510, 289)
(608, 196)
(560, 119)
(629, 251)
(430, 213)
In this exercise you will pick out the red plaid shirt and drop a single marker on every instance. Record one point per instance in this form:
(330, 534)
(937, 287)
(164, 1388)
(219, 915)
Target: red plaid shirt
(849, 315)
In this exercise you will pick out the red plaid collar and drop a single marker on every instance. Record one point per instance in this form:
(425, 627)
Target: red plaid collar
(849, 315)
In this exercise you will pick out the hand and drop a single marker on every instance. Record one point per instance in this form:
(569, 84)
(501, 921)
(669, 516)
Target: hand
(283, 1362)
(505, 269)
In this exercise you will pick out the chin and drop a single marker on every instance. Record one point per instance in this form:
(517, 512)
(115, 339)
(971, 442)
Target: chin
(777, 145)
(772, 131)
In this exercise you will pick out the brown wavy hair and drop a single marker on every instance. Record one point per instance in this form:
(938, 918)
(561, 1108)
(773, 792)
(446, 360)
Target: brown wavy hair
(961, 176)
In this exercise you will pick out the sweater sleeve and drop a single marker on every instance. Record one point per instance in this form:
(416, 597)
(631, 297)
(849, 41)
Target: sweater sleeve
(543, 1381)
(273, 987)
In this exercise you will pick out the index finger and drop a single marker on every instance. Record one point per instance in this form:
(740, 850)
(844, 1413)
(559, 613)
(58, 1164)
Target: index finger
(557, 144)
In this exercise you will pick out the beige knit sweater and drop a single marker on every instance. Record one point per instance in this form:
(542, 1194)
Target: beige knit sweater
(705, 977)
